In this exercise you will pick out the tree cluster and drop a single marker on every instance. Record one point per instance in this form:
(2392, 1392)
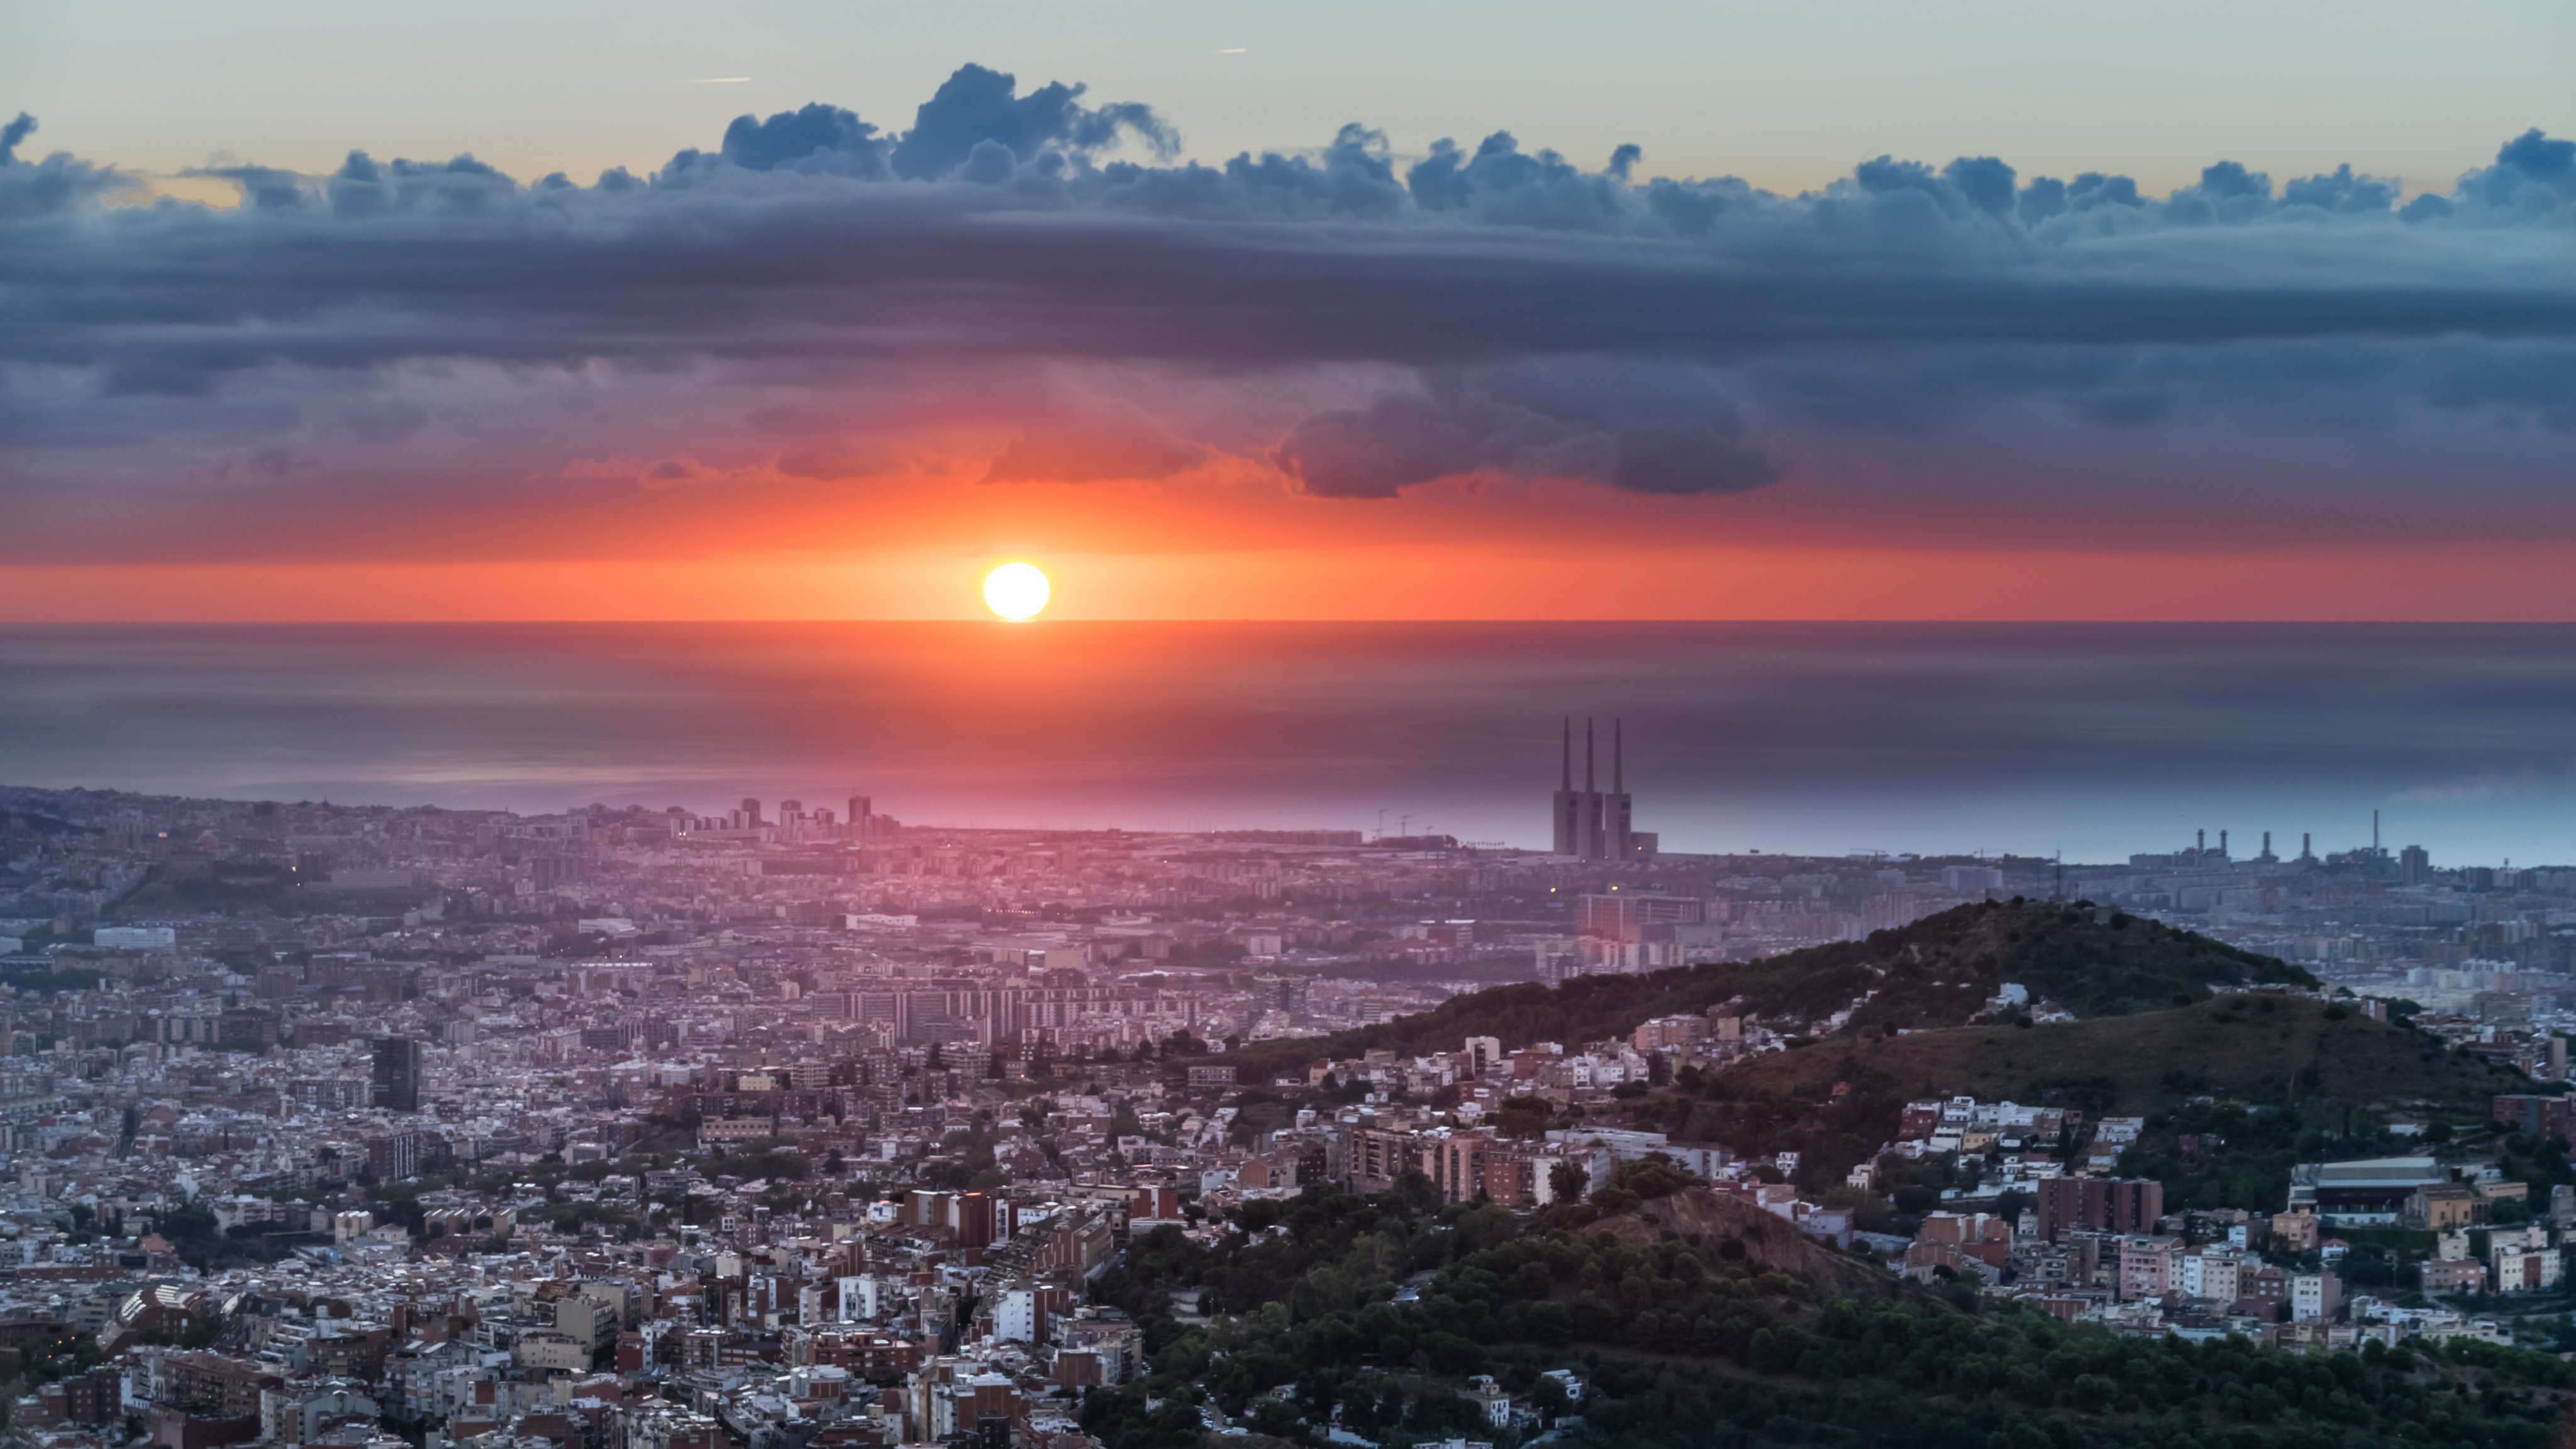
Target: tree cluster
(1332, 1310)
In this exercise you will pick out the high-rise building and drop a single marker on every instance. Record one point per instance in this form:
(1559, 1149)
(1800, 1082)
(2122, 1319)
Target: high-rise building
(395, 1083)
(393, 1156)
(2099, 1205)
(1621, 916)
(2414, 865)
(1293, 994)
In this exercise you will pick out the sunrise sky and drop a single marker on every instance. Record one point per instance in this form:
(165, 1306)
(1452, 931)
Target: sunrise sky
(1330, 312)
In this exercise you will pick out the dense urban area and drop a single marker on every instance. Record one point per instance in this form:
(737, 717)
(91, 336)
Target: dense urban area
(798, 1128)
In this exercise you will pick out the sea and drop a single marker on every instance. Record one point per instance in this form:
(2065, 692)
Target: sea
(2088, 741)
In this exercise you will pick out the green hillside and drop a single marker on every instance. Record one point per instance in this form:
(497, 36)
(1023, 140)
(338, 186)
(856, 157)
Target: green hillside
(1692, 1321)
(2283, 1076)
(2259, 1048)
(1938, 971)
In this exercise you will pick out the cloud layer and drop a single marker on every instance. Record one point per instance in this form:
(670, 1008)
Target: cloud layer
(1030, 288)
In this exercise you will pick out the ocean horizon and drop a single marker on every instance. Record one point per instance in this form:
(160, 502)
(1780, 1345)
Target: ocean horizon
(2094, 740)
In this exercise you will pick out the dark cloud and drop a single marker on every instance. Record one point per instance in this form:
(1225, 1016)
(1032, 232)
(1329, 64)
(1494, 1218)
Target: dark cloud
(2343, 192)
(1497, 183)
(459, 187)
(1484, 310)
(817, 138)
(1351, 177)
(2042, 200)
(2230, 181)
(2539, 158)
(1703, 455)
(56, 184)
(977, 107)
(977, 127)
(1984, 181)
(2093, 189)
(2534, 179)
(1377, 451)
(1642, 430)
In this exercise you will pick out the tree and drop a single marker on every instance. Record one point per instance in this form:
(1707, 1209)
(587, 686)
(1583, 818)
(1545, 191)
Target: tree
(1523, 1117)
(1652, 1176)
(1568, 1180)
(1277, 1419)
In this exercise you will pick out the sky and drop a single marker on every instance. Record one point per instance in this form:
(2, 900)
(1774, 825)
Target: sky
(1406, 311)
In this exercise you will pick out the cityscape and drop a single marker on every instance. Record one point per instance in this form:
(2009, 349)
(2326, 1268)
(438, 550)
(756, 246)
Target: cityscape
(826, 725)
(785, 1125)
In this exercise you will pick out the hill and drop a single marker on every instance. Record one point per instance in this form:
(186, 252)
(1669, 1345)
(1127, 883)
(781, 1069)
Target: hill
(1938, 971)
(1333, 1314)
(1761, 1242)
(2256, 1049)
(2277, 1072)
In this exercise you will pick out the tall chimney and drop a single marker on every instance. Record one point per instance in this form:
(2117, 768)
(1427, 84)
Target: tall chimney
(1588, 786)
(1569, 754)
(1618, 759)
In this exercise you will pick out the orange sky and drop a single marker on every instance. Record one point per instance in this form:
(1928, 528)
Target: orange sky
(1230, 540)
(1427, 581)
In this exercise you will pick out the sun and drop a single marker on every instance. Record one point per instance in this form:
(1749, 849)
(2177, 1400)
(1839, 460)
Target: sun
(1015, 591)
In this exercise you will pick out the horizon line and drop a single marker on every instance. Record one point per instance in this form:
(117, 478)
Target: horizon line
(1445, 620)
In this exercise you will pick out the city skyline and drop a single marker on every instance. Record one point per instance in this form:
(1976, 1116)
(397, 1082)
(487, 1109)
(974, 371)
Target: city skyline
(2095, 741)
(901, 1112)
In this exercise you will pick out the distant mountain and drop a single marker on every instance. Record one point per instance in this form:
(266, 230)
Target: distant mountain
(1938, 971)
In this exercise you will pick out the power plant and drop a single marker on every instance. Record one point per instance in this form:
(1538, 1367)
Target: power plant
(1593, 823)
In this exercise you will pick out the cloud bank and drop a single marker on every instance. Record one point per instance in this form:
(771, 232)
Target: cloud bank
(1032, 287)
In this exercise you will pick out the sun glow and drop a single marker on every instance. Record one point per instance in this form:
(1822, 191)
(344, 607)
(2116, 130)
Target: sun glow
(1016, 591)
